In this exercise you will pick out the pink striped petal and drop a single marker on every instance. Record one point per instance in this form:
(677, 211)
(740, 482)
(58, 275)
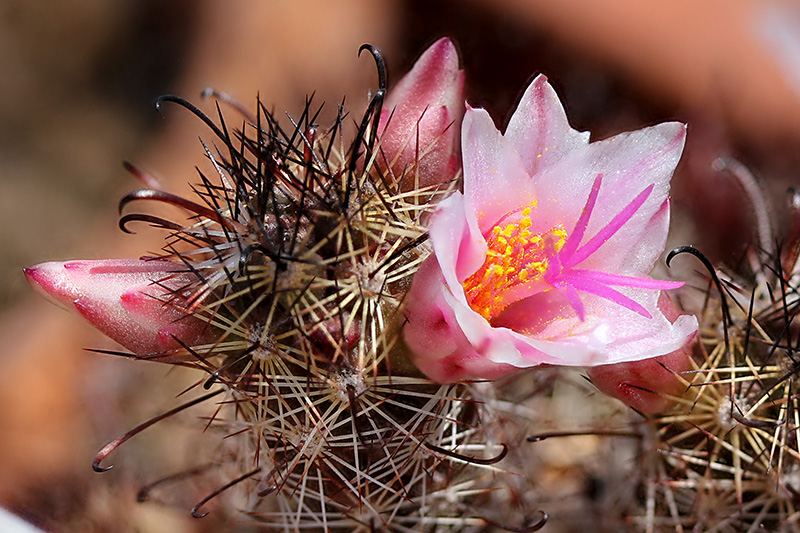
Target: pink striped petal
(539, 130)
(420, 124)
(132, 301)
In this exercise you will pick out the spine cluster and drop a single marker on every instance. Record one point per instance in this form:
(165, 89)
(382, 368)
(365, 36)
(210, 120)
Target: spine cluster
(303, 245)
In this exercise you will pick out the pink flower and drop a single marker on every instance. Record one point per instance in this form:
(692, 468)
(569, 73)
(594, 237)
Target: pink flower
(545, 256)
(649, 386)
(421, 120)
(132, 301)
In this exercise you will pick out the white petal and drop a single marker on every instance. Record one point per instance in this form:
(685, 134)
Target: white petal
(494, 180)
(539, 129)
(629, 163)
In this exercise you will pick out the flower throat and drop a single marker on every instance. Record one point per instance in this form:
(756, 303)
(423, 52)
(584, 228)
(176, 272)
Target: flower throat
(515, 257)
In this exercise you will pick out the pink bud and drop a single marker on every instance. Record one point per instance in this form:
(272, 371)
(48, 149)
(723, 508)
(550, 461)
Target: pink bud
(421, 119)
(137, 303)
(651, 385)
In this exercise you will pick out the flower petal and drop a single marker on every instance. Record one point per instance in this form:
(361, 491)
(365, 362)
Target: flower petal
(433, 330)
(494, 180)
(421, 119)
(629, 163)
(630, 336)
(435, 79)
(457, 242)
(547, 330)
(649, 386)
(131, 301)
(539, 129)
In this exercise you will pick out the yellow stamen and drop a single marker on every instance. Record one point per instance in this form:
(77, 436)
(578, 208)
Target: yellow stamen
(515, 256)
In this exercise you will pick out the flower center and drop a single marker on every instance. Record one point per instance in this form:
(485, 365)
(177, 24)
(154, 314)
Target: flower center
(515, 257)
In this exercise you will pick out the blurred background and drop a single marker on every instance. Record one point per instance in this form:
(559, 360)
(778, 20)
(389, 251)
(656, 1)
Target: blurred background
(77, 84)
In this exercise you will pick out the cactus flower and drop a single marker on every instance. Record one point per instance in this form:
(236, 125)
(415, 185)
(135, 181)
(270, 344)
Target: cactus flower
(421, 119)
(137, 303)
(545, 256)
